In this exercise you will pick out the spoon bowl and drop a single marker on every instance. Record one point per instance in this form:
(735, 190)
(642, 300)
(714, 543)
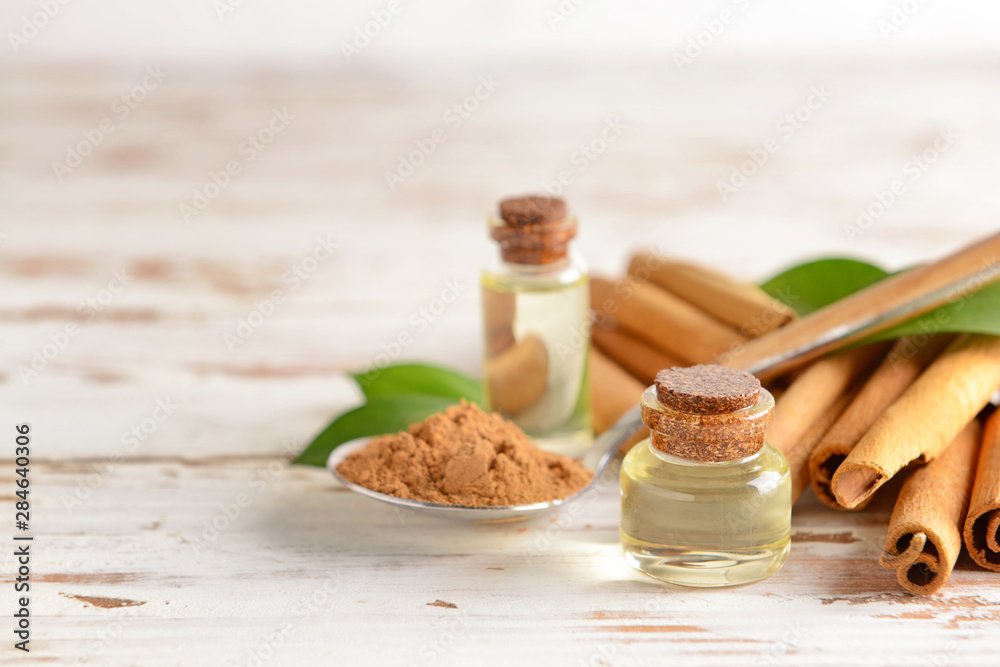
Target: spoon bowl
(608, 441)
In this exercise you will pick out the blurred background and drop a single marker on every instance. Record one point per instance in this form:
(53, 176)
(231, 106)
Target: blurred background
(228, 203)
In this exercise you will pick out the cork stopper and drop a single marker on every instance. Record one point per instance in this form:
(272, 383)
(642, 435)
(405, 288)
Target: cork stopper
(533, 230)
(706, 389)
(519, 211)
(707, 413)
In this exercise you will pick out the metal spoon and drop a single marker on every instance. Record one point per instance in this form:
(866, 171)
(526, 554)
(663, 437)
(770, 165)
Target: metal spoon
(504, 514)
(866, 312)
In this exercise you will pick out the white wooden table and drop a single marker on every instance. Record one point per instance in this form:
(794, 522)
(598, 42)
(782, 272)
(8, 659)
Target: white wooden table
(127, 568)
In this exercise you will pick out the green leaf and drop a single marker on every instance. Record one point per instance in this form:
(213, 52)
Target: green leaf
(978, 312)
(418, 379)
(385, 414)
(816, 284)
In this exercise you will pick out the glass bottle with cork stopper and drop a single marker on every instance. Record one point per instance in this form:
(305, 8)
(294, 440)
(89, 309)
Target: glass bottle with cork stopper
(537, 326)
(705, 501)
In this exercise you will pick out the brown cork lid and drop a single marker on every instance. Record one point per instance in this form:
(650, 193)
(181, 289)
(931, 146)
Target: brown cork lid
(707, 413)
(533, 230)
(532, 210)
(707, 389)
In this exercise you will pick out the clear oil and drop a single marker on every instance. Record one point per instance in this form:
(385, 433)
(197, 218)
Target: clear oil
(705, 524)
(550, 304)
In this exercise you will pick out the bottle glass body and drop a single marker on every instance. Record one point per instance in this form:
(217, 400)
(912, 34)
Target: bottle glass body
(705, 524)
(537, 335)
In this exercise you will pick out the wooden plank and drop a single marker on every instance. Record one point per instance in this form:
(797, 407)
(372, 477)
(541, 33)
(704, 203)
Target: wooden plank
(138, 565)
(311, 574)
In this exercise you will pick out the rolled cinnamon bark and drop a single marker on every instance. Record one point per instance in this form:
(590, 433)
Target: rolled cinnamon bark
(815, 391)
(641, 360)
(900, 368)
(612, 391)
(516, 378)
(498, 321)
(663, 320)
(925, 532)
(798, 454)
(924, 420)
(982, 524)
(747, 308)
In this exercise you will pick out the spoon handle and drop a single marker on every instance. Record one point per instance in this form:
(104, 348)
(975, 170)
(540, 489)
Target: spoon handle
(612, 439)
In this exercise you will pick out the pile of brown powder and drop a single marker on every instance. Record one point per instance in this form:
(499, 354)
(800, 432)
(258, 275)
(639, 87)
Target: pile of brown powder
(464, 456)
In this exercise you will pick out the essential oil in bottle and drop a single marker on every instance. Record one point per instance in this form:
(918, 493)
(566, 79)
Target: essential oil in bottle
(537, 326)
(705, 501)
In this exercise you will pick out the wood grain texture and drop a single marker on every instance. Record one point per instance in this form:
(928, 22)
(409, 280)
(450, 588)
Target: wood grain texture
(337, 571)
(308, 572)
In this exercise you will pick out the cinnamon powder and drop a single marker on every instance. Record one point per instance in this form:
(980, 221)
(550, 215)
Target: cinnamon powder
(464, 456)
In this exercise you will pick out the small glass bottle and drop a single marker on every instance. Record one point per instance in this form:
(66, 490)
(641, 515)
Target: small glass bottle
(705, 501)
(536, 316)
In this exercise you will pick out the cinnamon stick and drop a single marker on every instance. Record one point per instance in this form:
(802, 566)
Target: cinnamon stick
(982, 524)
(925, 532)
(924, 420)
(516, 378)
(798, 454)
(815, 391)
(747, 308)
(636, 356)
(498, 321)
(612, 393)
(874, 309)
(900, 368)
(663, 320)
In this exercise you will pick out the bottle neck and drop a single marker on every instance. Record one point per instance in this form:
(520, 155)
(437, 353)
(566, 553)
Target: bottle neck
(528, 270)
(677, 460)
